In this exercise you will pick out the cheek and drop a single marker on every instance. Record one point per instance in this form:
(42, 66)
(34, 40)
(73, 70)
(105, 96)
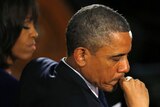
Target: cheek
(93, 72)
(17, 49)
(108, 73)
(19, 45)
(21, 50)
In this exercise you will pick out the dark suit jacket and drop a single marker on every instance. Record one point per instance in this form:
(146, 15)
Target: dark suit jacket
(45, 83)
(8, 89)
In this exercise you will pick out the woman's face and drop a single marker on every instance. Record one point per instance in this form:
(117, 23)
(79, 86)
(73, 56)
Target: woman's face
(25, 44)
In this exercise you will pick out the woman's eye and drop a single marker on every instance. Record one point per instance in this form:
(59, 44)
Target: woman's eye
(25, 26)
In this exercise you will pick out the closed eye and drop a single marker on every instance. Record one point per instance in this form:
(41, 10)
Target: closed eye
(117, 57)
(25, 27)
(26, 23)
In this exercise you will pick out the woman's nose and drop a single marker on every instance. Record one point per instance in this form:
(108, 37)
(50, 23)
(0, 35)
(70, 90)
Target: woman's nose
(34, 32)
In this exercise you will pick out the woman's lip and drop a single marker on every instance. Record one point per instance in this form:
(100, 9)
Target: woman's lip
(33, 46)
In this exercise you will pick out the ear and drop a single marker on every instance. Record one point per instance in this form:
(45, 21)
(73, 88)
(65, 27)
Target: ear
(80, 56)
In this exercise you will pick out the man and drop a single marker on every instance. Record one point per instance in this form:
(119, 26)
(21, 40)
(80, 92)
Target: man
(98, 42)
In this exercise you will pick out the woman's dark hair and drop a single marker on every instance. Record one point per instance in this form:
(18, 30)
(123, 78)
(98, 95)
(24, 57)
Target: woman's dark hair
(12, 16)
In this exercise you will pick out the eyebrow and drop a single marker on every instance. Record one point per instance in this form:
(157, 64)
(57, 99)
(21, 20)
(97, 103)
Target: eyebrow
(28, 18)
(118, 55)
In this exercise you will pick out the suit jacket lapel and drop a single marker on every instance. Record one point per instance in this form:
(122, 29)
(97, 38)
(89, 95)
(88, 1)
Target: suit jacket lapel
(69, 75)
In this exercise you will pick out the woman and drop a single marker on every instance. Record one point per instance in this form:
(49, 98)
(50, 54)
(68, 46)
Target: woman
(17, 41)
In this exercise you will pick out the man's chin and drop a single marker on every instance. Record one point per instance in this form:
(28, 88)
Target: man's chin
(114, 88)
(110, 88)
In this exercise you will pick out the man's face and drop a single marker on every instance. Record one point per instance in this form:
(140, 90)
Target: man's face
(109, 63)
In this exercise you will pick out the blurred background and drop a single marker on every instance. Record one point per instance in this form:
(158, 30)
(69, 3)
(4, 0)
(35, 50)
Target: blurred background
(144, 19)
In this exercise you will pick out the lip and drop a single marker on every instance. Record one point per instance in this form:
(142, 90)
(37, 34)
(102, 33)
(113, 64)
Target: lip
(113, 83)
(32, 46)
(116, 80)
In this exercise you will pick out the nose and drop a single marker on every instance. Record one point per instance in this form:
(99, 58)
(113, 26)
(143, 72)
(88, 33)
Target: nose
(34, 32)
(36, 35)
(124, 66)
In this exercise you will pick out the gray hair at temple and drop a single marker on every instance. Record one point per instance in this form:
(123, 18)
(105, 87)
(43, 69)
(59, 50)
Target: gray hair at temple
(92, 27)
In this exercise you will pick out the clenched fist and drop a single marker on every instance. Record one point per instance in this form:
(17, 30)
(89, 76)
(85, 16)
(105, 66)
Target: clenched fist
(135, 92)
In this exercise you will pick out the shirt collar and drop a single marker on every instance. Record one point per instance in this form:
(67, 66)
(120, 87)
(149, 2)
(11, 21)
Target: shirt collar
(91, 87)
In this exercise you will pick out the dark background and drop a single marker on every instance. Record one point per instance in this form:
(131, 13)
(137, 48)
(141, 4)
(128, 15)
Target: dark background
(144, 19)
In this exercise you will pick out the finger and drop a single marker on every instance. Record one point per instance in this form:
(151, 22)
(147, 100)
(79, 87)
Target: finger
(125, 81)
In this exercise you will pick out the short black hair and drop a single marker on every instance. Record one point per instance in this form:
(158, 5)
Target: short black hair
(92, 26)
(12, 16)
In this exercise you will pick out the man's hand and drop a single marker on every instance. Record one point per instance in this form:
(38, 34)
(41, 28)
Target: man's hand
(135, 92)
